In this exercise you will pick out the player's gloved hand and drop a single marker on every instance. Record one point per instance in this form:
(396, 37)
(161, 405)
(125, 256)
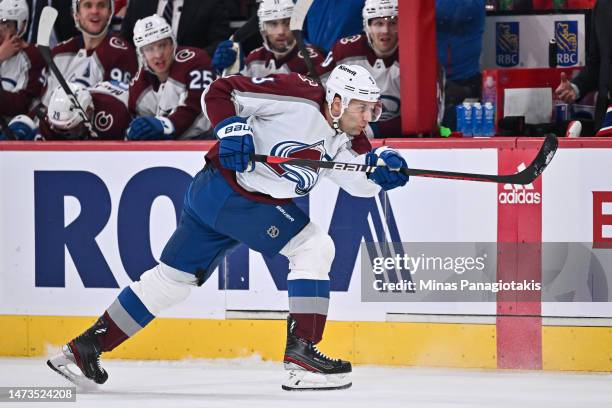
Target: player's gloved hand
(150, 128)
(387, 176)
(225, 56)
(23, 128)
(235, 144)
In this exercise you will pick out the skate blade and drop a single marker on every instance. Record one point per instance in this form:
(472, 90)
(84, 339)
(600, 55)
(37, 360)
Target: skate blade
(302, 380)
(62, 365)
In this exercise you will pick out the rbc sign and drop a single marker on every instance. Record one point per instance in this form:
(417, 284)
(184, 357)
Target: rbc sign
(507, 44)
(566, 35)
(348, 228)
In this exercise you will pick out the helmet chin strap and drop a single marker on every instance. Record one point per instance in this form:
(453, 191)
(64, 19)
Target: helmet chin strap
(335, 119)
(278, 54)
(100, 34)
(92, 35)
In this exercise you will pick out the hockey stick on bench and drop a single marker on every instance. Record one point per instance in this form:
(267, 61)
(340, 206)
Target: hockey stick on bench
(296, 25)
(526, 176)
(248, 29)
(45, 26)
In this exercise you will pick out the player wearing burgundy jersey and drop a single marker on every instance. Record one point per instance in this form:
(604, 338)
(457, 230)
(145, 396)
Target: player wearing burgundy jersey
(165, 95)
(232, 201)
(105, 105)
(96, 55)
(377, 51)
(279, 53)
(20, 63)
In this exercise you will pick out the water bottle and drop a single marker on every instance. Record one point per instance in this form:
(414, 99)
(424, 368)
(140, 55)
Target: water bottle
(489, 91)
(477, 119)
(468, 123)
(488, 122)
(460, 114)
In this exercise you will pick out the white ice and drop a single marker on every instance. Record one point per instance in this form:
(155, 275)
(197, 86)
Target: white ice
(253, 383)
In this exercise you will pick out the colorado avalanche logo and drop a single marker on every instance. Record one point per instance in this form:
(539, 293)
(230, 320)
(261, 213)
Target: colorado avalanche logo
(118, 43)
(103, 121)
(184, 55)
(304, 178)
(84, 78)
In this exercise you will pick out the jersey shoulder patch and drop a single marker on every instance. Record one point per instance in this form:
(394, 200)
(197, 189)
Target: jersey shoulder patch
(350, 46)
(117, 41)
(188, 60)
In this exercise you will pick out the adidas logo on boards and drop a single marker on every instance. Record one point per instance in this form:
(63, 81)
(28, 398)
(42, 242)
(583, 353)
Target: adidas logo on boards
(520, 194)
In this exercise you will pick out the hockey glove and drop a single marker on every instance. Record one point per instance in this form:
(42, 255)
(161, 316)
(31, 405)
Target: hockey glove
(225, 56)
(150, 128)
(23, 127)
(235, 144)
(387, 176)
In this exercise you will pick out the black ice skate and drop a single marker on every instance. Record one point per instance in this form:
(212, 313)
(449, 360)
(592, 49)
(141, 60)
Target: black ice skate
(309, 369)
(83, 352)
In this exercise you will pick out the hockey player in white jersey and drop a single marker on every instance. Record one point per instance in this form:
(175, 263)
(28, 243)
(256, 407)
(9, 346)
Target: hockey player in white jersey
(165, 95)
(377, 51)
(232, 201)
(96, 54)
(20, 63)
(279, 53)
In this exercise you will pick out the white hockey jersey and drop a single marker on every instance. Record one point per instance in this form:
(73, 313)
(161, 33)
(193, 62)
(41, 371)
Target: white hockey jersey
(285, 112)
(21, 84)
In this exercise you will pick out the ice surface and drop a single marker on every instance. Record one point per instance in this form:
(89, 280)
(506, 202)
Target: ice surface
(253, 383)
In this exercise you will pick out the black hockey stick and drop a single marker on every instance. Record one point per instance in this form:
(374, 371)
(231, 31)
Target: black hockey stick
(45, 26)
(245, 31)
(296, 25)
(526, 176)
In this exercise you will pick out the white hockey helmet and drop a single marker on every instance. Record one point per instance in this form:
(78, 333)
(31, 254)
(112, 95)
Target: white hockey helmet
(15, 10)
(352, 82)
(271, 10)
(149, 30)
(75, 8)
(377, 8)
(62, 114)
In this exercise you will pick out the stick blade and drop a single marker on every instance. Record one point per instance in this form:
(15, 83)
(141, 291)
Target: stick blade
(45, 25)
(541, 161)
(299, 14)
